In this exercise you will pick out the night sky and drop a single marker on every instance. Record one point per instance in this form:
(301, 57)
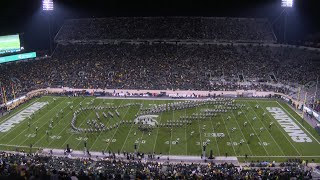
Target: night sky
(25, 16)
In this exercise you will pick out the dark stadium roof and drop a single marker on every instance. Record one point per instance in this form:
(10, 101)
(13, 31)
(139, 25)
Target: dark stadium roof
(26, 16)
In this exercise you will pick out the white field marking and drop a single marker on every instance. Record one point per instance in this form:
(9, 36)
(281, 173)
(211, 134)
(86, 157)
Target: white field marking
(215, 138)
(79, 126)
(224, 122)
(265, 128)
(253, 99)
(140, 141)
(185, 132)
(171, 132)
(241, 131)
(13, 114)
(280, 129)
(18, 125)
(100, 133)
(118, 126)
(10, 145)
(282, 156)
(125, 141)
(299, 123)
(53, 126)
(256, 134)
(142, 135)
(155, 142)
(201, 143)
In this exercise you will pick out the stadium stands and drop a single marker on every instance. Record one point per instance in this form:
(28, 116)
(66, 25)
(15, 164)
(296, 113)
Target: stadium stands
(163, 66)
(176, 28)
(45, 167)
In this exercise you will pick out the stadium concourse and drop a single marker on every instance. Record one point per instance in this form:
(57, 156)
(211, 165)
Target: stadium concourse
(159, 54)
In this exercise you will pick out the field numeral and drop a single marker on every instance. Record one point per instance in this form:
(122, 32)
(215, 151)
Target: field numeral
(82, 138)
(172, 142)
(55, 137)
(263, 143)
(30, 135)
(111, 140)
(141, 142)
(232, 143)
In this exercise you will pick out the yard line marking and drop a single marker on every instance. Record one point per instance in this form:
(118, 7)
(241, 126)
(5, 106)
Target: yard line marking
(277, 124)
(255, 131)
(299, 123)
(125, 141)
(118, 126)
(265, 127)
(142, 132)
(140, 142)
(69, 126)
(18, 125)
(100, 131)
(155, 142)
(281, 156)
(54, 125)
(253, 99)
(185, 132)
(201, 143)
(171, 132)
(228, 134)
(215, 138)
(10, 145)
(13, 114)
(241, 131)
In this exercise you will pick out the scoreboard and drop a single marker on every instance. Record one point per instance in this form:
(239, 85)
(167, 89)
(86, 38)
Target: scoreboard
(18, 57)
(10, 44)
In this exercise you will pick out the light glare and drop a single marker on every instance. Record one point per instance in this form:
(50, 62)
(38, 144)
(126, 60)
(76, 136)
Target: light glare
(287, 3)
(47, 5)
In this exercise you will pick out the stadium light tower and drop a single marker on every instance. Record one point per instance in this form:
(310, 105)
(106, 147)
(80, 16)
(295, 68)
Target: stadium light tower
(287, 3)
(47, 5)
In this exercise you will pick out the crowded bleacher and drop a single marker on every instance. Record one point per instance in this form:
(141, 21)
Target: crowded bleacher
(21, 166)
(178, 28)
(163, 66)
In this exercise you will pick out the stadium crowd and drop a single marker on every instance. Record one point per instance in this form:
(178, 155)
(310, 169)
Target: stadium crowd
(23, 166)
(178, 28)
(162, 66)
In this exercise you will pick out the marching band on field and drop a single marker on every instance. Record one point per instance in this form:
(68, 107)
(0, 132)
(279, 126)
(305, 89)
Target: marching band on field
(221, 105)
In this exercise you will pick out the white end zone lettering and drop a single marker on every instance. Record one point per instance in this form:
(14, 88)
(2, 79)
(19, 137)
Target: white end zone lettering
(24, 114)
(289, 126)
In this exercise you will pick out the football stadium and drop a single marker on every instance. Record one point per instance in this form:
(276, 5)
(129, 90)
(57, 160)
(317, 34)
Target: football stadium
(160, 97)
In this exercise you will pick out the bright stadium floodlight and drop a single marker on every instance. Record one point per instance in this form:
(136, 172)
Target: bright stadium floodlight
(287, 3)
(47, 5)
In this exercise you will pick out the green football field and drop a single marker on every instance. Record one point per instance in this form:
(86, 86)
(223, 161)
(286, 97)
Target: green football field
(259, 140)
